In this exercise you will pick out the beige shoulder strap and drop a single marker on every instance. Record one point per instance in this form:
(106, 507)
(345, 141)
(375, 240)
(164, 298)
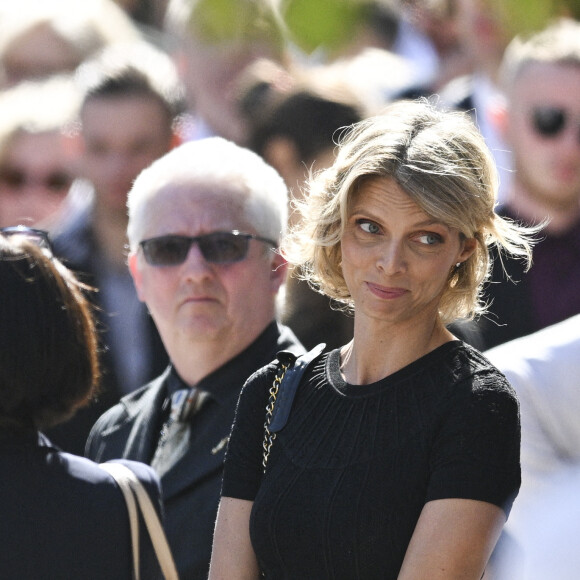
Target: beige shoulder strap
(133, 489)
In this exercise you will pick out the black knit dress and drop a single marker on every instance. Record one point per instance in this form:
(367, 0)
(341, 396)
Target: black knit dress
(350, 473)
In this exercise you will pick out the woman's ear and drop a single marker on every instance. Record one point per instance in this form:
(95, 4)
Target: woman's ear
(469, 246)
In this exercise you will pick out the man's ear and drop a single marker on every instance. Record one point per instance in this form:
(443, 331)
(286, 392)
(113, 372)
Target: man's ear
(499, 118)
(176, 139)
(136, 274)
(279, 271)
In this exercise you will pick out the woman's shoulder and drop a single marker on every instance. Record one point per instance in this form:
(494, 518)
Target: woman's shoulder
(259, 381)
(467, 360)
(85, 470)
(144, 473)
(260, 385)
(146, 476)
(460, 366)
(471, 374)
(263, 373)
(267, 373)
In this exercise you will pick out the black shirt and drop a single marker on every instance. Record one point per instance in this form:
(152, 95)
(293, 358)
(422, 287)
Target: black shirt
(350, 473)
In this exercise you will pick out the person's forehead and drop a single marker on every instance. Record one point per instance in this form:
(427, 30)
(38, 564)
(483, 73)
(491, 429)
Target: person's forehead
(384, 191)
(38, 148)
(543, 82)
(194, 209)
(39, 50)
(141, 106)
(131, 124)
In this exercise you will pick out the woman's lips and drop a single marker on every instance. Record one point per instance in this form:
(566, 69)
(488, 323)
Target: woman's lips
(386, 292)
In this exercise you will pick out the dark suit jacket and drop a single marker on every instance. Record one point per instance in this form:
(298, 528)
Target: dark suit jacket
(511, 313)
(63, 517)
(191, 489)
(77, 248)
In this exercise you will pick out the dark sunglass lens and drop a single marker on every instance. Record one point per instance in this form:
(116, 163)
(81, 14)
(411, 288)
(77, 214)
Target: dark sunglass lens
(166, 251)
(58, 181)
(549, 121)
(12, 177)
(221, 248)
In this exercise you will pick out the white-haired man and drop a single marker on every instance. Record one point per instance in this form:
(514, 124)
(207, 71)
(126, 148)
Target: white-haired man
(204, 222)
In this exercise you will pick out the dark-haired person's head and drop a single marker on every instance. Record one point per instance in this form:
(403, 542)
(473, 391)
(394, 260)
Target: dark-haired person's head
(132, 98)
(48, 342)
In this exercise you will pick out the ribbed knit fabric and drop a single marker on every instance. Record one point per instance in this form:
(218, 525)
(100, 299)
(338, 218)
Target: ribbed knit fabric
(349, 474)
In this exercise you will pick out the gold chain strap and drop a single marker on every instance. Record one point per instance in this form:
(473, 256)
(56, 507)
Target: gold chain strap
(269, 437)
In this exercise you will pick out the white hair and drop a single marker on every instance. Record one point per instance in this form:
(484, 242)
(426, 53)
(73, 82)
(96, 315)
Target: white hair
(214, 160)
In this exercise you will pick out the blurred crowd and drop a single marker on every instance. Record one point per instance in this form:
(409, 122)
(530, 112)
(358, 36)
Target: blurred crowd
(92, 92)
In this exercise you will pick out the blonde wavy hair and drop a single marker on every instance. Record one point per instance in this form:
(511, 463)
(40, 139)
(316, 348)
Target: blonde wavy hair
(441, 161)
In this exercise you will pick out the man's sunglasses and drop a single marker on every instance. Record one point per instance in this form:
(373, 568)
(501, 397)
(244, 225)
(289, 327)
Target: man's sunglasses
(217, 248)
(551, 121)
(56, 181)
(38, 237)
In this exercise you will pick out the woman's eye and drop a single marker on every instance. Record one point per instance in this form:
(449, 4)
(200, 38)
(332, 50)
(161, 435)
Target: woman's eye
(429, 239)
(369, 227)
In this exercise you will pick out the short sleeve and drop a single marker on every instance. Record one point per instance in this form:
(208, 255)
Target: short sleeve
(476, 452)
(243, 462)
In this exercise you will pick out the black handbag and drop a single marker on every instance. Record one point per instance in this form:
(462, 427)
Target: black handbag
(282, 392)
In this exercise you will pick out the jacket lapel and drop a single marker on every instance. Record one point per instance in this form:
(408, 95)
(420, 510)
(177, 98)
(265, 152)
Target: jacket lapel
(207, 455)
(135, 437)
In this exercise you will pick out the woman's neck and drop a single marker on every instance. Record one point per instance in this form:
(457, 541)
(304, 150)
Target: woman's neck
(371, 356)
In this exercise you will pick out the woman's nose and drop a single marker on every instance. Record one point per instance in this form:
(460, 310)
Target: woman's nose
(391, 259)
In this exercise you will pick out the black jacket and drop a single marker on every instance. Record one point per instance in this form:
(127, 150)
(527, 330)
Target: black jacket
(191, 489)
(64, 517)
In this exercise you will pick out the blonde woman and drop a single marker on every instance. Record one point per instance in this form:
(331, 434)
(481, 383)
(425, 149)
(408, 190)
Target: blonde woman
(400, 458)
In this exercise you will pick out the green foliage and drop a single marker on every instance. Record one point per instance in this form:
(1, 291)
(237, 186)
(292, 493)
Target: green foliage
(328, 24)
(219, 21)
(526, 16)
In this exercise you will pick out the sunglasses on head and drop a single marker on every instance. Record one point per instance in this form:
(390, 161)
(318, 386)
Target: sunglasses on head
(217, 248)
(38, 237)
(14, 178)
(551, 121)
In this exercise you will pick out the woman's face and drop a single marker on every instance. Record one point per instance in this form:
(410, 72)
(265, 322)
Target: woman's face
(396, 259)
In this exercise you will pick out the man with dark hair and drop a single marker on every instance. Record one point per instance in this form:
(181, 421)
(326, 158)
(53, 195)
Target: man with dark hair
(132, 97)
(297, 134)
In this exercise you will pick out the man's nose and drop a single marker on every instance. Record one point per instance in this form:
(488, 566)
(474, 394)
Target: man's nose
(195, 264)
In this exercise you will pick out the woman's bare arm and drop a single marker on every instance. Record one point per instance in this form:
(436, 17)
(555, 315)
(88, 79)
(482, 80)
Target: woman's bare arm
(453, 540)
(232, 555)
